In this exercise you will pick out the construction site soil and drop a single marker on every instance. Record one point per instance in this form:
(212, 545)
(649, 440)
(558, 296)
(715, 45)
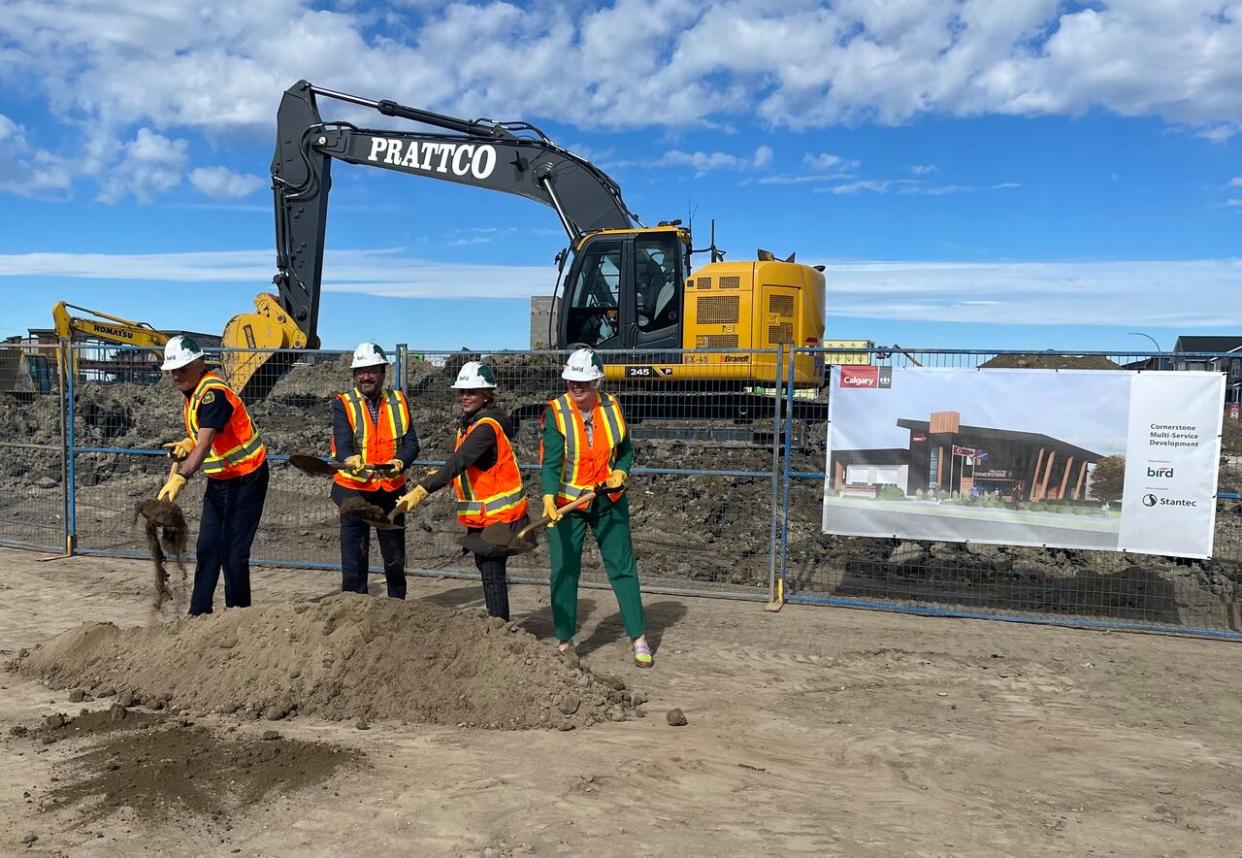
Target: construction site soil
(690, 530)
(813, 731)
(345, 657)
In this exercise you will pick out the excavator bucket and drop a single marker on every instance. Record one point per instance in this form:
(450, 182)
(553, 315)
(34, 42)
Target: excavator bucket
(251, 361)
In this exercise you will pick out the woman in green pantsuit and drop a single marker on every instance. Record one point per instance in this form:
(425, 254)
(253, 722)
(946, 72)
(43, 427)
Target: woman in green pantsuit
(586, 447)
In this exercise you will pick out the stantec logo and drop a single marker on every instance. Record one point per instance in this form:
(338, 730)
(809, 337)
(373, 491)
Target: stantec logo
(1164, 472)
(1152, 500)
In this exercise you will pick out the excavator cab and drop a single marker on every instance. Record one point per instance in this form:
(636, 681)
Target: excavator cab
(625, 290)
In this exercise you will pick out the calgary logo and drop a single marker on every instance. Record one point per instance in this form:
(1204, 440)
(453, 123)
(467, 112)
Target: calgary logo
(861, 376)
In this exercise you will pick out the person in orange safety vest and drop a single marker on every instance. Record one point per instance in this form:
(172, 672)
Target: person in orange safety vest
(221, 440)
(586, 446)
(485, 477)
(372, 435)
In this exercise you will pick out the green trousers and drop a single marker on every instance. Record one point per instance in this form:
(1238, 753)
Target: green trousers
(610, 522)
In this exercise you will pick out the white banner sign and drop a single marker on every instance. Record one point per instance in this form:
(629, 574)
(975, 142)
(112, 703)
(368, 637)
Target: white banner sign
(1096, 459)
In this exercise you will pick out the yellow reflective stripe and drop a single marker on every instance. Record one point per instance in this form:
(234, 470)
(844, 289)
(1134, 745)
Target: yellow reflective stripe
(563, 410)
(238, 455)
(494, 504)
(614, 423)
(358, 421)
(398, 416)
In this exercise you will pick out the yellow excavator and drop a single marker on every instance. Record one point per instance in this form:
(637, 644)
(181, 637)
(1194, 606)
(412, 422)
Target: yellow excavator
(108, 328)
(628, 286)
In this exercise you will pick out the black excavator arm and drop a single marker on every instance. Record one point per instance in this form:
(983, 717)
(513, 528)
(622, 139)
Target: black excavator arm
(512, 157)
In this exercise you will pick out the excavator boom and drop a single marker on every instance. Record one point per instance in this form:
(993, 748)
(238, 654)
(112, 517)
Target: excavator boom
(510, 157)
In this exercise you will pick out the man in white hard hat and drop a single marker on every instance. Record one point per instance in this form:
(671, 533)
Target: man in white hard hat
(372, 435)
(586, 447)
(223, 442)
(485, 477)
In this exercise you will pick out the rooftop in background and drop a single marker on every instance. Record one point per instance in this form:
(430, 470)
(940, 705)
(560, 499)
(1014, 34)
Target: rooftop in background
(1208, 345)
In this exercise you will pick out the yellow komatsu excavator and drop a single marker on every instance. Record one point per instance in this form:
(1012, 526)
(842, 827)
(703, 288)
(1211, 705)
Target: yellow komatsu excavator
(107, 328)
(628, 286)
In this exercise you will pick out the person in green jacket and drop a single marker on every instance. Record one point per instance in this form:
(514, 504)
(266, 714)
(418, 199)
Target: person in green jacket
(586, 447)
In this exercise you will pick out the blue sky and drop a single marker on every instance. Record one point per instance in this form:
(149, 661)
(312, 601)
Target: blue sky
(1025, 174)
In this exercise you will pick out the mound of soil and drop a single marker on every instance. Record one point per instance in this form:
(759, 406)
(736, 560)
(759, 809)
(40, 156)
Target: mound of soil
(347, 657)
(1049, 361)
(162, 773)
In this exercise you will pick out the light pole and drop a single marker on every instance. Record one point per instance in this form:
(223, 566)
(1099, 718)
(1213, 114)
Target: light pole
(1159, 360)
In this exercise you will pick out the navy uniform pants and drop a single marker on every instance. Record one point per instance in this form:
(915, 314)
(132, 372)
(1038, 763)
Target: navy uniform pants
(356, 544)
(231, 512)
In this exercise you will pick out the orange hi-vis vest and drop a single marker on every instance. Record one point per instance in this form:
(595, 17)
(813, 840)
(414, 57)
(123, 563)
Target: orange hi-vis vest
(375, 440)
(491, 496)
(587, 463)
(236, 450)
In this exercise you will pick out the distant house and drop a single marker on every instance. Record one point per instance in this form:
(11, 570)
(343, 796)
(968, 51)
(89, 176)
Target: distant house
(1223, 354)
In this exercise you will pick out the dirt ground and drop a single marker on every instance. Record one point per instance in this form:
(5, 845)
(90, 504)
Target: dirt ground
(811, 732)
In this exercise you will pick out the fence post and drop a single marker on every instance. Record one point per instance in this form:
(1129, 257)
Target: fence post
(788, 468)
(403, 357)
(67, 444)
(776, 594)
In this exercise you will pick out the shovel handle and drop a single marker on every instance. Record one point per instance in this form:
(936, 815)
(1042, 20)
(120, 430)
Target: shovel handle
(577, 503)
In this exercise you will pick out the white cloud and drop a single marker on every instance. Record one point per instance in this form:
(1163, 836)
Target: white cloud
(826, 162)
(150, 164)
(635, 63)
(1051, 293)
(29, 171)
(1233, 201)
(223, 183)
(1235, 182)
(923, 169)
(706, 162)
(908, 187)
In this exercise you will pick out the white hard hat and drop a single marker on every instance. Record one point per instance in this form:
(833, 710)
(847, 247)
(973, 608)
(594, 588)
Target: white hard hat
(583, 365)
(181, 350)
(474, 375)
(368, 354)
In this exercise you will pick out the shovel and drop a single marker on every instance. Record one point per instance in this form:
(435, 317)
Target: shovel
(501, 538)
(317, 467)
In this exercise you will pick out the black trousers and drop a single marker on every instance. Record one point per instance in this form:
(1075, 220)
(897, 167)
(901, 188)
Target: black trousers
(231, 512)
(356, 544)
(495, 585)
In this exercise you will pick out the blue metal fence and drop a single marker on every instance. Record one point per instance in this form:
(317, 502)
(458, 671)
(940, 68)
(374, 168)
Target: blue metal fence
(723, 506)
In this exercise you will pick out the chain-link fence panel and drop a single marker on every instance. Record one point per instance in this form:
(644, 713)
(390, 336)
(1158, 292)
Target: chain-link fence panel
(1084, 587)
(702, 490)
(33, 505)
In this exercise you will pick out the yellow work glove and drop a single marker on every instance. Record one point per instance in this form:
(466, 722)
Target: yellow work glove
(616, 479)
(393, 466)
(550, 512)
(410, 501)
(354, 464)
(181, 449)
(172, 488)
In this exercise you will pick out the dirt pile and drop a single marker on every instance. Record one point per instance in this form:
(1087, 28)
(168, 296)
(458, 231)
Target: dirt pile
(347, 657)
(1049, 361)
